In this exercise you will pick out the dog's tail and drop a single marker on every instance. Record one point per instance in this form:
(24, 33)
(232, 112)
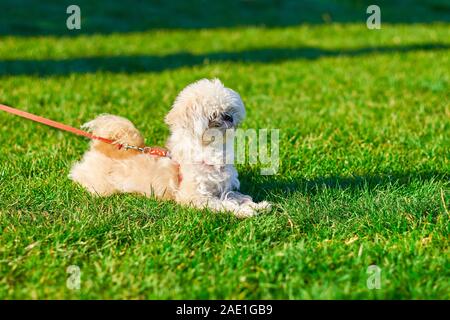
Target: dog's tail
(116, 128)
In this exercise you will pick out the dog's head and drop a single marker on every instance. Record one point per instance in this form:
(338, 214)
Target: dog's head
(204, 106)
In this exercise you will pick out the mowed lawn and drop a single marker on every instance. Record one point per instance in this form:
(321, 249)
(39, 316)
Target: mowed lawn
(364, 120)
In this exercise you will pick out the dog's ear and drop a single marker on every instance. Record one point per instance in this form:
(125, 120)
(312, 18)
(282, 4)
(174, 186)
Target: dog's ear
(176, 117)
(170, 118)
(181, 114)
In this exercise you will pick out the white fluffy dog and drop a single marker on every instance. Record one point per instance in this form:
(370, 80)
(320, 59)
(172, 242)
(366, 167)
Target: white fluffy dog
(195, 173)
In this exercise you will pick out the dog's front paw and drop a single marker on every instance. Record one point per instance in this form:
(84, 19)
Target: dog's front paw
(245, 211)
(251, 209)
(263, 206)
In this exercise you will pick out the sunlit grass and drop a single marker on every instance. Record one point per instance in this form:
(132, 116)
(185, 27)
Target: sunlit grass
(364, 121)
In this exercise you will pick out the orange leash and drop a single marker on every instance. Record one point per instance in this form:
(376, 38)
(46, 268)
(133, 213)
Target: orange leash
(154, 151)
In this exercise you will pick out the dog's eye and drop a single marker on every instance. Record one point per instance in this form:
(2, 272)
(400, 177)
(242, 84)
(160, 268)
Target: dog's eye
(227, 118)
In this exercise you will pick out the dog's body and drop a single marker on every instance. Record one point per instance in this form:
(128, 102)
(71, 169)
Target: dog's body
(195, 174)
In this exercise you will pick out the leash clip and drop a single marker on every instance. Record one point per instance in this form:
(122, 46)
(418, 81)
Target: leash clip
(154, 151)
(128, 147)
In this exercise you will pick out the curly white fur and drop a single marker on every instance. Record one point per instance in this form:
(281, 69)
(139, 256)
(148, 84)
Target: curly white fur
(207, 180)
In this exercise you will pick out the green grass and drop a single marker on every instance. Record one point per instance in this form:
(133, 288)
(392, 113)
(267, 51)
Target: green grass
(364, 121)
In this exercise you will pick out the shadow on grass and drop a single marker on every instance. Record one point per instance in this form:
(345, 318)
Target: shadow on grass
(267, 186)
(133, 64)
(30, 17)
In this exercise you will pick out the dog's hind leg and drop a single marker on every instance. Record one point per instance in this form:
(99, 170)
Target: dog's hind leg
(92, 172)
